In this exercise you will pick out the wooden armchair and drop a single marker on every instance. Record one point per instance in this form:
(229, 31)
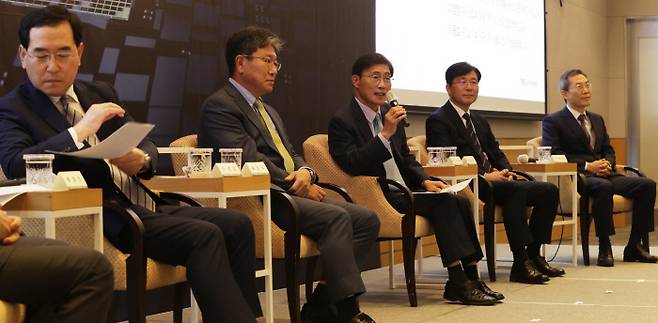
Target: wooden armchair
(291, 245)
(367, 191)
(620, 204)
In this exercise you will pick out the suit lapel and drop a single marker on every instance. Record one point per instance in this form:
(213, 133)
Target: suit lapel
(457, 121)
(42, 106)
(577, 130)
(362, 124)
(248, 111)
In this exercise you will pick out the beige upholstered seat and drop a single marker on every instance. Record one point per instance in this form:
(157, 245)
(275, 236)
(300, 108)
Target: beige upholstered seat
(11, 312)
(366, 191)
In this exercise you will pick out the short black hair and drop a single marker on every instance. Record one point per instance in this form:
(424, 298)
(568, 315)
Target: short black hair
(459, 69)
(249, 40)
(49, 16)
(564, 78)
(365, 61)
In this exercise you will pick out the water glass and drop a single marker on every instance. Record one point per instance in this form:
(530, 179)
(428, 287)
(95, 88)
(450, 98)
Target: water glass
(231, 155)
(199, 162)
(544, 154)
(39, 169)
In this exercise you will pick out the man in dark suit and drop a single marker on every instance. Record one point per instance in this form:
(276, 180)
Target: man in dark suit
(235, 116)
(454, 125)
(368, 138)
(52, 111)
(57, 282)
(581, 135)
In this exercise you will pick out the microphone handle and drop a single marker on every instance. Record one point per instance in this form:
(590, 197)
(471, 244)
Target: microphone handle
(394, 103)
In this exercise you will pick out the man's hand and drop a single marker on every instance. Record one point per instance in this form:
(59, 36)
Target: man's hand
(601, 167)
(316, 193)
(95, 117)
(301, 182)
(391, 120)
(130, 163)
(434, 186)
(10, 228)
(500, 175)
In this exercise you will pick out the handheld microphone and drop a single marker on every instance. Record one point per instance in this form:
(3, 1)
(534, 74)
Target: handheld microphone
(392, 100)
(524, 159)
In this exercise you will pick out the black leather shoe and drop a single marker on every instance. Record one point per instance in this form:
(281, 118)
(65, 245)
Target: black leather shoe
(605, 258)
(466, 293)
(361, 318)
(542, 265)
(488, 291)
(525, 272)
(318, 313)
(638, 253)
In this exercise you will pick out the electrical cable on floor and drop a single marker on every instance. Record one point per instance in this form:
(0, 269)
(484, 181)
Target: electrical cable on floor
(561, 212)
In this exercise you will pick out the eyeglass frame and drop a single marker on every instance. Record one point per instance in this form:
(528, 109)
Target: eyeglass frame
(268, 60)
(46, 58)
(463, 82)
(582, 86)
(379, 78)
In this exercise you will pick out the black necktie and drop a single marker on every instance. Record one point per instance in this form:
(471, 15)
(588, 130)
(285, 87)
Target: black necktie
(485, 165)
(582, 118)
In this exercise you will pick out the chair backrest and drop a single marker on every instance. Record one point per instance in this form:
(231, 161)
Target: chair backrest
(365, 190)
(417, 143)
(178, 160)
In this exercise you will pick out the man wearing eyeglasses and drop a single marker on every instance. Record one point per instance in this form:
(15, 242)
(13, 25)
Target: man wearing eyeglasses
(455, 125)
(368, 138)
(236, 116)
(581, 135)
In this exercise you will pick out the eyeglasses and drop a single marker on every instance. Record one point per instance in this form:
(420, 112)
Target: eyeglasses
(463, 82)
(376, 78)
(43, 58)
(582, 86)
(267, 60)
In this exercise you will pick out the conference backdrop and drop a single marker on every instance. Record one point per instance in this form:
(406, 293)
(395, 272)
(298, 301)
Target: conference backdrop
(165, 57)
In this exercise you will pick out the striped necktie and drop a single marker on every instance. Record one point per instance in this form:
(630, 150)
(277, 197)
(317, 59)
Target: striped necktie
(485, 166)
(126, 183)
(288, 163)
(391, 168)
(582, 118)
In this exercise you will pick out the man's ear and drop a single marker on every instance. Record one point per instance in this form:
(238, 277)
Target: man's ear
(81, 49)
(355, 81)
(22, 53)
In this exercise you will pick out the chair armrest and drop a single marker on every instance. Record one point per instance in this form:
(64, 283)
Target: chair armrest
(288, 208)
(525, 175)
(633, 170)
(435, 178)
(485, 190)
(582, 186)
(339, 190)
(385, 182)
(134, 223)
(170, 197)
(155, 197)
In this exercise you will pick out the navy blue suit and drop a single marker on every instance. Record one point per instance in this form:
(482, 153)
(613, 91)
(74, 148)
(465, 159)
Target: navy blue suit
(200, 239)
(444, 128)
(563, 133)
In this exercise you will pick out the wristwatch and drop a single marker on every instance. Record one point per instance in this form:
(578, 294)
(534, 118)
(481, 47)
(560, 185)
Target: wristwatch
(147, 169)
(314, 176)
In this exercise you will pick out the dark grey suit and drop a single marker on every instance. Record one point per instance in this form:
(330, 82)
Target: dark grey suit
(344, 232)
(563, 133)
(57, 282)
(354, 148)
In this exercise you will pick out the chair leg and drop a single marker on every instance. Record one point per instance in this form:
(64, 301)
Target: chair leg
(584, 236)
(292, 288)
(136, 283)
(180, 292)
(408, 253)
(490, 246)
(310, 271)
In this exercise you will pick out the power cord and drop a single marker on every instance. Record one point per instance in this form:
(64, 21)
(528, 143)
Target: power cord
(561, 212)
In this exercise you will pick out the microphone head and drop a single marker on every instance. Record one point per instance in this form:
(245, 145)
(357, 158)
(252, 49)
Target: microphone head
(522, 159)
(391, 98)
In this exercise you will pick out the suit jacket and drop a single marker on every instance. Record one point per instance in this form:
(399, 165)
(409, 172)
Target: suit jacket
(30, 124)
(228, 121)
(444, 128)
(354, 148)
(563, 133)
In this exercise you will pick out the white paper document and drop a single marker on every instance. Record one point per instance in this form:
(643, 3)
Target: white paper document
(450, 189)
(117, 144)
